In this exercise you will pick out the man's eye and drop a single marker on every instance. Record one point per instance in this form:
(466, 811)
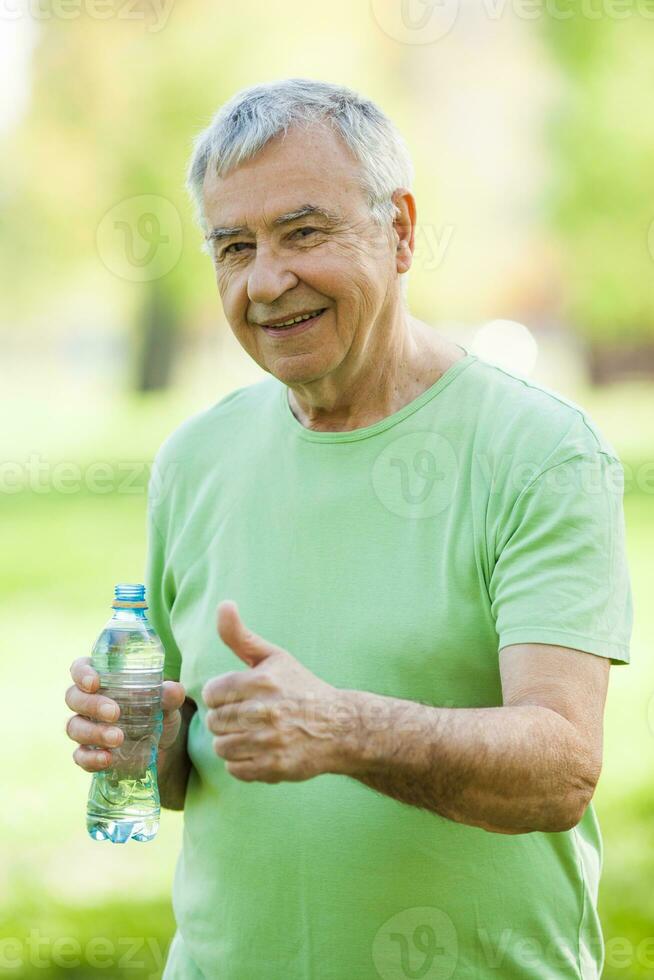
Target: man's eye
(305, 231)
(235, 248)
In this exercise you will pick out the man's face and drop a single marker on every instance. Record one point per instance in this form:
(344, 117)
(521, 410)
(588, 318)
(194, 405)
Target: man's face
(334, 258)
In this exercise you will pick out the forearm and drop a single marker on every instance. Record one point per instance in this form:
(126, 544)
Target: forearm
(174, 764)
(512, 769)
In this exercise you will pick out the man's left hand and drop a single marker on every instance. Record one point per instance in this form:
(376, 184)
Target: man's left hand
(276, 721)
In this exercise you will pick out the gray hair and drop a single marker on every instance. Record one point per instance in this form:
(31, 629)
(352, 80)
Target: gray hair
(255, 115)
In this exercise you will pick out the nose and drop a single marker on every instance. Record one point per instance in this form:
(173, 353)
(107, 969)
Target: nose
(269, 276)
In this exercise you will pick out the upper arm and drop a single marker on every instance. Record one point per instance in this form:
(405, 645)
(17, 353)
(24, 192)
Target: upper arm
(559, 575)
(570, 682)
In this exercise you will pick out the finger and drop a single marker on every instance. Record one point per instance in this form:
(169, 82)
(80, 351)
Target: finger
(233, 747)
(91, 760)
(239, 717)
(86, 732)
(226, 688)
(245, 643)
(170, 731)
(245, 770)
(173, 696)
(84, 675)
(94, 706)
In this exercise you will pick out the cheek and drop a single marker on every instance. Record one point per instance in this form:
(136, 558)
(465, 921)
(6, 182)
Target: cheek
(341, 272)
(232, 288)
(222, 281)
(355, 279)
(364, 266)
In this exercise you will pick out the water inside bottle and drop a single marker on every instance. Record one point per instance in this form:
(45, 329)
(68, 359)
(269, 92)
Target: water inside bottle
(124, 799)
(123, 802)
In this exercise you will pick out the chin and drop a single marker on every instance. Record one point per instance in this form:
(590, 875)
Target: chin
(298, 370)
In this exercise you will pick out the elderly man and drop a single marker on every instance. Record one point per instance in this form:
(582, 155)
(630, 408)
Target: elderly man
(387, 747)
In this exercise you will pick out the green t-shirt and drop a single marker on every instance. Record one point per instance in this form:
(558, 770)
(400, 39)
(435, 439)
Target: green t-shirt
(396, 558)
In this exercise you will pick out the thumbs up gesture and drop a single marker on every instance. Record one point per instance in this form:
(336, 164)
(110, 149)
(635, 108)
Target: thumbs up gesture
(276, 721)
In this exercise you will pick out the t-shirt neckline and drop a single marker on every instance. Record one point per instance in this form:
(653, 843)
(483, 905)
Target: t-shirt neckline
(352, 435)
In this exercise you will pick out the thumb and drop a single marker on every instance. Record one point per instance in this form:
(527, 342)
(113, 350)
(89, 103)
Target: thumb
(250, 647)
(173, 695)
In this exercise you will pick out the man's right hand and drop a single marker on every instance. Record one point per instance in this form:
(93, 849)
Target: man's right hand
(95, 713)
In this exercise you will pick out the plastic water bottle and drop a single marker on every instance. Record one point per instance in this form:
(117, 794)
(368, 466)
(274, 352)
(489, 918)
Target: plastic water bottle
(123, 801)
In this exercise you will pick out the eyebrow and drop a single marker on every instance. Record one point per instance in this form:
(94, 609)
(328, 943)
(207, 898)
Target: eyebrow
(306, 211)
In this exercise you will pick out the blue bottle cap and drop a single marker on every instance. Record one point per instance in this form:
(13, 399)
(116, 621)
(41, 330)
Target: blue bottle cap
(129, 596)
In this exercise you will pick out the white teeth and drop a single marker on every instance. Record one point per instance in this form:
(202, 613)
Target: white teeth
(298, 319)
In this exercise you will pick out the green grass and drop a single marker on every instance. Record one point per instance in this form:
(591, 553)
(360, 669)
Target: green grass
(63, 553)
(117, 938)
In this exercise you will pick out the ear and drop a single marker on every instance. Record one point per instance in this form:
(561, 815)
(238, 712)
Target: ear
(404, 226)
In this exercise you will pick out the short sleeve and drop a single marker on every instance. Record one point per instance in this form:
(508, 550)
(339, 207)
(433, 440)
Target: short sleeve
(160, 594)
(560, 575)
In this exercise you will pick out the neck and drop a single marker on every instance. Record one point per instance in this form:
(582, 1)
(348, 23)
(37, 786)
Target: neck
(392, 368)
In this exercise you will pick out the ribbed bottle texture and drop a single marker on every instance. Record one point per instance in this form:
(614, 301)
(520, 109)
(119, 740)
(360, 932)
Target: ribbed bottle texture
(123, 801)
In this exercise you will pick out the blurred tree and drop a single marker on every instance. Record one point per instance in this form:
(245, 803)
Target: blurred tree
(114, 109)
(601, 201)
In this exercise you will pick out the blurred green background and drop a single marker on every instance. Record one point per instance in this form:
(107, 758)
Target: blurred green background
(530, 129)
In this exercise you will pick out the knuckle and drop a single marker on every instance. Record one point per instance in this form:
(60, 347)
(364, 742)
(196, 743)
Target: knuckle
(270, 738)
(266, 681)
(112, 736)
(171, 716)
(275, 714)
(249, 714)
(239, 770)
(91, 760)
(94, 708)
(86, 705)
(71, 696)
(78, 663)
(82, 731)
(260, 740)
(168, 735)
(210, 689)
(115, 708)
(174, 690)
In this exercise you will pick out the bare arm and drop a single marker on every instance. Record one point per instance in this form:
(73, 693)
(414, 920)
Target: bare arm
(530, 765)
(174, 764)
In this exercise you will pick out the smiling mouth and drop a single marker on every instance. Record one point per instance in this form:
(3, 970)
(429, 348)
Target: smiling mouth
(293, 321)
